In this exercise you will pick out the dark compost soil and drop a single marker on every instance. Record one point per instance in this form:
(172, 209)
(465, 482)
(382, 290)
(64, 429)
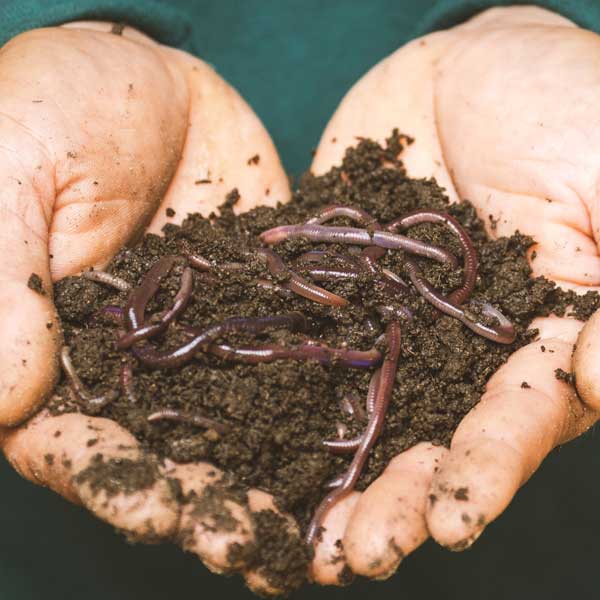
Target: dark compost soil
(279, 413)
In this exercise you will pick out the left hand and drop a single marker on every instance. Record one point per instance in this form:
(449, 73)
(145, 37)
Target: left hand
(503, 110)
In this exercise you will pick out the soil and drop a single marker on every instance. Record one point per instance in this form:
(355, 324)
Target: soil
(279, 413)
(36, 284)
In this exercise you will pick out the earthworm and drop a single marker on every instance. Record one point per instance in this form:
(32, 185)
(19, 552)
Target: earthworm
(298, 284)
(92, 403)
(343, 357)
(471, 264)
(275, 287)
(107, 279)
(391, 276)
(324, 272)
(321, 274)
(357, 237)
(204, 265)
(318, 256)
(203, 337)
(351, 406)
(392, 282)
(179, 303)
(337, 210)
(370, 255)
(126, 381)
(345, 446)
(395, 241)
(503, 333)
(335, 482)
(370, 435)
(115, 313)
(168, 414)
(141, 295)
(199, 262)
(395, 312)
(372, 392)
(342, 429)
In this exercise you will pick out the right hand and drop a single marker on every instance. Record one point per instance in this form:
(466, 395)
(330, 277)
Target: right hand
(100, 134)
(501, 116)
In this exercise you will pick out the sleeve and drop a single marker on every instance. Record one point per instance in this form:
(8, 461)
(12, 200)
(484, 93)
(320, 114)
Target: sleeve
(447, 13)
(157, 18)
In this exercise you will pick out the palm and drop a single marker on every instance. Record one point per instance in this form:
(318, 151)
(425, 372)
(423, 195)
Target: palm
(499, 118)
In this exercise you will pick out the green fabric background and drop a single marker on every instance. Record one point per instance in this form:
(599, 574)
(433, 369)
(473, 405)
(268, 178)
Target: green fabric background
(293, 60)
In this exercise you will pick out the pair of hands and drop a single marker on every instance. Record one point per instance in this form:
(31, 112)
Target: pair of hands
(101, 133)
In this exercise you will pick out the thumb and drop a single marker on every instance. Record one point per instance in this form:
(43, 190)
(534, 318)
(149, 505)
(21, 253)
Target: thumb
(91, 125)
(586, 362)
(30, 330)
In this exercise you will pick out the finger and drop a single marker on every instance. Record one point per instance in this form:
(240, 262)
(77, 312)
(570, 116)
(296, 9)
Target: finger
(397, 93)
(329, 565)
(501, 17)
(388, 521)
(95, 462)
(215, 522)
(586, 362)
(269, 576)
(525, 413)
(110, 117)
(29, 324)
(226, 147)
(114, 28)
(559, 328)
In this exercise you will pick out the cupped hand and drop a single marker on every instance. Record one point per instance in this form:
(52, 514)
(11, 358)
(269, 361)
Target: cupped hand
(504, 112)
(101, 133)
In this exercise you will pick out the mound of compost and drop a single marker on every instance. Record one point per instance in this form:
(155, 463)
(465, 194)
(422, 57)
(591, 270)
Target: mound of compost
(271, 418)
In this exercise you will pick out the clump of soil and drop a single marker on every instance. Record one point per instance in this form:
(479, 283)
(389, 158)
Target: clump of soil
(117, 475)
(35, 283)
(279, 413)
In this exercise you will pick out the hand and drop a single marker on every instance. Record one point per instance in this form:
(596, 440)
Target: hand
(503, 110)
(100, 134)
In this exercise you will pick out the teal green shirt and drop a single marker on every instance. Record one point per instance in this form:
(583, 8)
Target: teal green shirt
(293, 60)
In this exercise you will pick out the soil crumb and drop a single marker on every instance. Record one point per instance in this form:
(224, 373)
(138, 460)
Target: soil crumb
(35, 283)
(118, 475)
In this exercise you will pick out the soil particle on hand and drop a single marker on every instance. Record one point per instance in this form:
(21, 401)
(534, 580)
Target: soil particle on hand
(117, 28)
(36, 284)
(211, 504)
(280, 555)
(462, 494)
(118, 475)
(564, 376)
(345, 576)
(278, 414)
